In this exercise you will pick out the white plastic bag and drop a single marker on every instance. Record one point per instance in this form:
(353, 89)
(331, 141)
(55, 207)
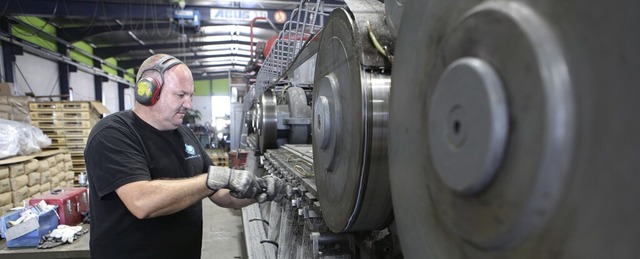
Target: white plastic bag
(17, 138)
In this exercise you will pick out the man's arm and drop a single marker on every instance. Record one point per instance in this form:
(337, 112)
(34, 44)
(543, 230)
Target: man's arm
(148, 199)
(224, 199)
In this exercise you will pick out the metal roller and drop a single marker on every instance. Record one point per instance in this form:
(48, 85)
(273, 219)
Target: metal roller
(268, 123)
(511, 134)
(350, 107)
(299, 115)
(249, 117)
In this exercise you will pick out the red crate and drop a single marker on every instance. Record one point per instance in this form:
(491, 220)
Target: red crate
(71, 202)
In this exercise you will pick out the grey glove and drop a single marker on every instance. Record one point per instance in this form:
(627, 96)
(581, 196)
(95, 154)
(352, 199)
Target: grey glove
(242, 183)
(273, 189)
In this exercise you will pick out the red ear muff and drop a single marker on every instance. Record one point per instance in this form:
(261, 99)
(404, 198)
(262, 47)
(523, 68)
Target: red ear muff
(148, 89)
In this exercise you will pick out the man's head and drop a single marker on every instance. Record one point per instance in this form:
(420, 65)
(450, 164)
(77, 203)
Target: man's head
(166, 111)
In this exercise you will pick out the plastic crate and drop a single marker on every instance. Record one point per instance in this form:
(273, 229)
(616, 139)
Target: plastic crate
(47, 221)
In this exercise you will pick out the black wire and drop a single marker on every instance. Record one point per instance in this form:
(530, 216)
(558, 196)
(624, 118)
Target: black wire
(25, 79)
(131, 16)
(104, 12)
(5, 8)
(93, 19)
(46, 22)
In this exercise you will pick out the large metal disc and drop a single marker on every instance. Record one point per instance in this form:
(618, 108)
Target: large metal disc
(349, 131)
(269, 121)
(561, 188)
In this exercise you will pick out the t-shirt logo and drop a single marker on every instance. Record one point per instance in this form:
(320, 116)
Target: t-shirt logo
(189, 149)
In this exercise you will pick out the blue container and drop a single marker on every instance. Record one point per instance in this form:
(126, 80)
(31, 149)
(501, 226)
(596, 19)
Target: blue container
(47, 220)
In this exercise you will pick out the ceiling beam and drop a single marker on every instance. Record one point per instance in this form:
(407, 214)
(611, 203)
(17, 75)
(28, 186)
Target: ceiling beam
(135, 63)
(119, 50)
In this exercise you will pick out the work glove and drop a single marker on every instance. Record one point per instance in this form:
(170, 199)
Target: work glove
(65, 233)
(273, 189)
(243, 184)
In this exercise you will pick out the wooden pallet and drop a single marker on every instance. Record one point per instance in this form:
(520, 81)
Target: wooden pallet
(220, 159)
(75, 106)
(66, 132)
(44, 106)
(76, 140)
(65, 124)
(64, 106)
(56, 114)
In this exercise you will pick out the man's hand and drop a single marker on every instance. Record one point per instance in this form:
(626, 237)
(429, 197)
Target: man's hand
(242, 183)
(274, 189)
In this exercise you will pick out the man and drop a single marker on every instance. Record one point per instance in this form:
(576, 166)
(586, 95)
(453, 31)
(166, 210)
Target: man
(148, 174)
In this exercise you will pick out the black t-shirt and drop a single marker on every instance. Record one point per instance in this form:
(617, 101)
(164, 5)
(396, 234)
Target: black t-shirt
(122, 149)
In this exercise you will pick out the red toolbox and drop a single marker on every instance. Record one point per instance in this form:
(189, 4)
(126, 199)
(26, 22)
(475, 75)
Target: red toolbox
(71, 202)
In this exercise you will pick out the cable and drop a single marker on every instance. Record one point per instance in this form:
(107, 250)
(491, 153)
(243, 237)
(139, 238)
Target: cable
(376, 44)
(104, 12)
(46, 22)
(5, 8)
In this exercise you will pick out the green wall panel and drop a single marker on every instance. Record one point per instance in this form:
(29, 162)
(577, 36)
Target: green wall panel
(221, 86)
(110, 70)
(80, 58)
(128, 77)
(31, 36)
(203, 87)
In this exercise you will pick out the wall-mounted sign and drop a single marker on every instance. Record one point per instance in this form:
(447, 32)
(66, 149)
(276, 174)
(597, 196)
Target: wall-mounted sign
(280, 16)
(236, 14)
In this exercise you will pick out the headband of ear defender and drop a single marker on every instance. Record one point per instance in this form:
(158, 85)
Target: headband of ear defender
(148, 88)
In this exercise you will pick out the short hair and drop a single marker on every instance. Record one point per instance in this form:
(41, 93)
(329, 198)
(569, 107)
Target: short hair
(149, 63)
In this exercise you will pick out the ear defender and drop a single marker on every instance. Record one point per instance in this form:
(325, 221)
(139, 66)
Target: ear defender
(148, 89)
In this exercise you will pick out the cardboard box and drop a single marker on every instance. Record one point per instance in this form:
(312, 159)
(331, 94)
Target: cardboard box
(45, 188)
(31, 166)
(34, 179)
(16, 170)
(70, 175)
(5, 185)
(6, 89)
(18, 182)
(6, 199)
(45, 177)
(34, 190)
(6, 108)
(43, 165)
(4, 172)
(19, 195)
(6, 208)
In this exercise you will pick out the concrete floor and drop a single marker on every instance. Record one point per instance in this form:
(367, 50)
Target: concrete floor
(223, 235)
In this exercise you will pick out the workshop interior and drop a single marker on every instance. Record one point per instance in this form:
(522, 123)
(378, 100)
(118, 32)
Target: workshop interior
(405, 128)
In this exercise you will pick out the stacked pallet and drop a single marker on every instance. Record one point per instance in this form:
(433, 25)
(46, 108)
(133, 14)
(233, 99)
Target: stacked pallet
(68, 124)
(220, 159)
(23, 177)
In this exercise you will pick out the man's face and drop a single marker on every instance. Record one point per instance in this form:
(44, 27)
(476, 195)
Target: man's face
(175, 98)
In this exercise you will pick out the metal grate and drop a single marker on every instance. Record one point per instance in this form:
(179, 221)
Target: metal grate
(305, 22)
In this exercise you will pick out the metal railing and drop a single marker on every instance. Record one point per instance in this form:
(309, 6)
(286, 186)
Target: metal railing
(306, 21)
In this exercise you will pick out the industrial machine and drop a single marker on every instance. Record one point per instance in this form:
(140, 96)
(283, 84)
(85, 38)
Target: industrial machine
(449, 129)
